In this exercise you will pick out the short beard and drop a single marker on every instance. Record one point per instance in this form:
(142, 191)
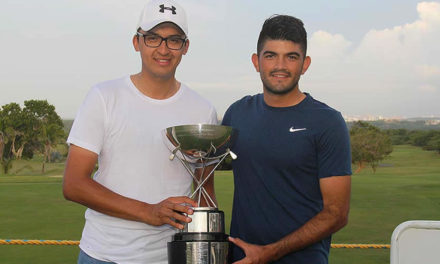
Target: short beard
(282, 92)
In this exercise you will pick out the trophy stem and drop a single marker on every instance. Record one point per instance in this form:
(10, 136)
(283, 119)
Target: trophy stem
(198, 183)
(200, 188)
(210, 173)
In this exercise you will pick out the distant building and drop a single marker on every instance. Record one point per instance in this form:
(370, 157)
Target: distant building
(432, 122)
(371, 118)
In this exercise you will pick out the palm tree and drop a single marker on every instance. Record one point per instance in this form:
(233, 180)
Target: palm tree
(51, 135)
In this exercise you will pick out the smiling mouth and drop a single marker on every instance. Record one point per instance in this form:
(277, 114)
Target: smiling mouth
(163, 61)
(280, 74)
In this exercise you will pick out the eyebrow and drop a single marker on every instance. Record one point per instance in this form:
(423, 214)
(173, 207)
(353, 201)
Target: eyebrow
(294, 53)
(269, 52)
(288, 54)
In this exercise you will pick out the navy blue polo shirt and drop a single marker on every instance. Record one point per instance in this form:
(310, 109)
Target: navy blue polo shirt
(282, 154)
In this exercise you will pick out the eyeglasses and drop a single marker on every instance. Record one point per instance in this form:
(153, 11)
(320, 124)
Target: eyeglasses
(154, 41)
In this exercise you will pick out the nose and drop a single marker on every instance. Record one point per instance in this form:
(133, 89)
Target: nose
(280, 63)
(163, 49)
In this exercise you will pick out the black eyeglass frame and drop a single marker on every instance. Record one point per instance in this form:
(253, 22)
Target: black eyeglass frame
(161, 40)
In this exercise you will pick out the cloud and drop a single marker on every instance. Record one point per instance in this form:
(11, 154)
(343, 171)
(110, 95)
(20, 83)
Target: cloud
(428, 72)
(383, 72)
(429, 11)
(406, 43)
(326, 45)
(427, 88)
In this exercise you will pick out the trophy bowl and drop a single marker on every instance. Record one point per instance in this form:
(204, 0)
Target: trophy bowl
(201, 140)
(203, 240)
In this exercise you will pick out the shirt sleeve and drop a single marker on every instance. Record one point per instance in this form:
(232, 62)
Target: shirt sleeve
(88, 128)
(213, 119)
(226, 121)
(334, 153)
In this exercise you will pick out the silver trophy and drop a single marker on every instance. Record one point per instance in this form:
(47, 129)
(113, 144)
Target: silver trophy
(204, 239)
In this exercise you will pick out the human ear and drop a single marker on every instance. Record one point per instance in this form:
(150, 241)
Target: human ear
(255, 62)
(185, 47)
(306, 64)
(136, 42)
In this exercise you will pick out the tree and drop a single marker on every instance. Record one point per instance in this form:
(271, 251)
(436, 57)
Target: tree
(12, 134)
(398, 136)
(369, 145)
(421, 138)
(5, 157)
(35, 128)
(2, 144)
(433, 143)
(46, 127)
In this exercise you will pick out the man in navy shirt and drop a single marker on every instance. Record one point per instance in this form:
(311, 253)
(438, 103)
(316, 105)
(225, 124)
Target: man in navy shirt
(292, 175)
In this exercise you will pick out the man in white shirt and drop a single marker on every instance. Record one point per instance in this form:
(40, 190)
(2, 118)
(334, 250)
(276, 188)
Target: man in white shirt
(137, 197)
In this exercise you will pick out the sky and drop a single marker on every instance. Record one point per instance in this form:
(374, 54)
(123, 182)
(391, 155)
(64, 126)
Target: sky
(379, 58)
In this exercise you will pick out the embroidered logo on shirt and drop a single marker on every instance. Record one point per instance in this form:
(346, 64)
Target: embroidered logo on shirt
(292, 129)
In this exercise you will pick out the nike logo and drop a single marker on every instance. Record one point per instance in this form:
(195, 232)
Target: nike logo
(296, 129)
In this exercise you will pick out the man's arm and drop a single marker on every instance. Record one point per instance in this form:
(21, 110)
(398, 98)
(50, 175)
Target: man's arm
(334, 215)
(79, 187)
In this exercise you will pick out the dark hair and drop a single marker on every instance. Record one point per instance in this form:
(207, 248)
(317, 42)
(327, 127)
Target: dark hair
(283, 27)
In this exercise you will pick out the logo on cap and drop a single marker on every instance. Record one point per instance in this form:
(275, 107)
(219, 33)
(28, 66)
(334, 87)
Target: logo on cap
(163, 7)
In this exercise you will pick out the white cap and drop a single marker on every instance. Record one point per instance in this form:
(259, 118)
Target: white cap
(160, 11)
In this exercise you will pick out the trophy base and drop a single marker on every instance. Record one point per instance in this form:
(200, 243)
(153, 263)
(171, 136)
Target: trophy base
(202, 241)
(199, 252)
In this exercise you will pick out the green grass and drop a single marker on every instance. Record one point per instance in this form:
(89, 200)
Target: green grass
(33, 168)
(33, 207)
(406, 187)
(224, 191)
